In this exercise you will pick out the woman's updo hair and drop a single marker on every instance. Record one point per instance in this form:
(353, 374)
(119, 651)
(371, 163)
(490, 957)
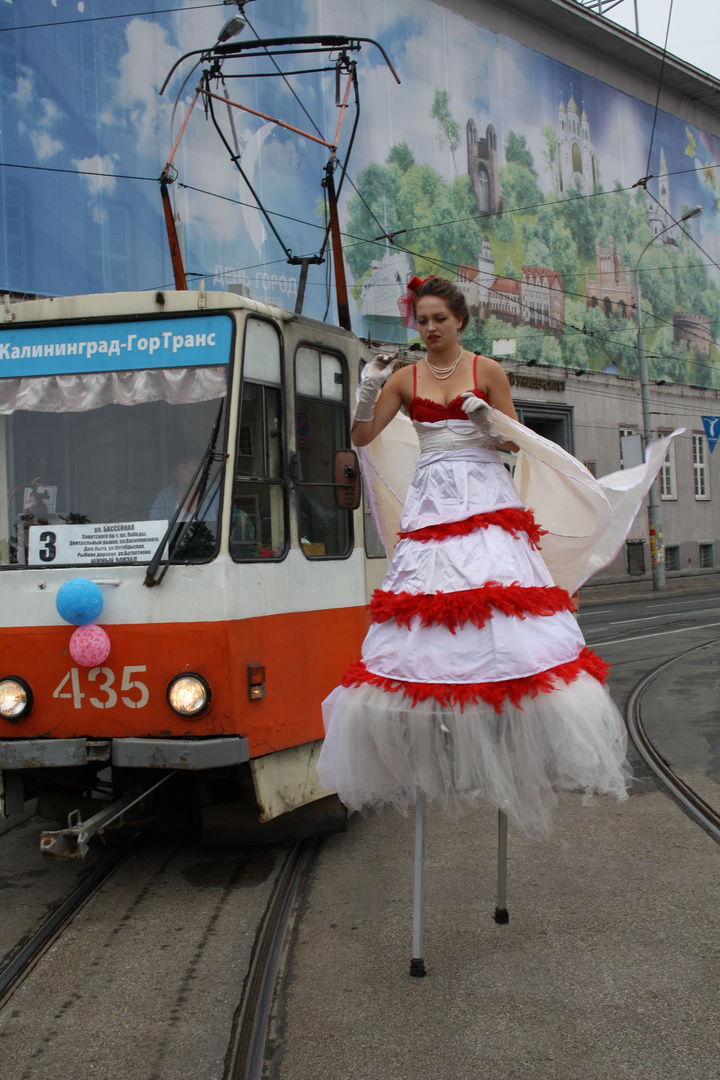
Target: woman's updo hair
(444, 290)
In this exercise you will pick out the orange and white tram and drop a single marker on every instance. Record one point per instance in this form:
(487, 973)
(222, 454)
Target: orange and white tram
(178, 451)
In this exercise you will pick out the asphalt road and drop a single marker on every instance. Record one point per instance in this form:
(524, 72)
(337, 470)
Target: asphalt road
(680, 710)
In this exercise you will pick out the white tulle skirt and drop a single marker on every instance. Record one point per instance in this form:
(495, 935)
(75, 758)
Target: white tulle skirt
(382, 748)
(474, 681)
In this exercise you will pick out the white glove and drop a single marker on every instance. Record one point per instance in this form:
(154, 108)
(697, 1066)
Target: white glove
(477, 410)
(372, 380)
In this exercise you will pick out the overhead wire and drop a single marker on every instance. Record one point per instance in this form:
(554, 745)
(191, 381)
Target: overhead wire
(659, 87)
(106, 18)
(285, 79)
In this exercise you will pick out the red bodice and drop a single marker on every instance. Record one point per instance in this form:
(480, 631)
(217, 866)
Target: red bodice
(430, 412)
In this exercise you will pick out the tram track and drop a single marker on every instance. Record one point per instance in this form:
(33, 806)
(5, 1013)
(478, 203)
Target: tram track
(244, 1060)
(19, 967)
(688, 799)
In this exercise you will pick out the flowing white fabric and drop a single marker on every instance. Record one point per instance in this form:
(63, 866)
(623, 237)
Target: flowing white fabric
(82, 392)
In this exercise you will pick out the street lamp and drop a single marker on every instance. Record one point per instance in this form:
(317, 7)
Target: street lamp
(654, 517)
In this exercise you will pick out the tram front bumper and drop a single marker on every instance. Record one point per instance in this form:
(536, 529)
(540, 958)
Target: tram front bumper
(190, 754)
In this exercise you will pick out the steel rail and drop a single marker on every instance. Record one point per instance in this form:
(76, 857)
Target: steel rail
(23, 962)
(693, 805)
(244, 1060)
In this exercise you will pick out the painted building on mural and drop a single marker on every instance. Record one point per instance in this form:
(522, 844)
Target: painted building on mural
(575, 168)
(611, 289)
(542, 298)
(483, 169)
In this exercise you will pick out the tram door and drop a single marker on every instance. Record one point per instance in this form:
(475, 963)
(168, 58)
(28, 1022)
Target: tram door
(258, 517)
(325, 530)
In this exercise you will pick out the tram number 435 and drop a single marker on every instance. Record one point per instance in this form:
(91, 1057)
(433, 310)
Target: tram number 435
(133, 693)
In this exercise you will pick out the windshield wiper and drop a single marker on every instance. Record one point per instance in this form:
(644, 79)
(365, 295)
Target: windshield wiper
(210, 457)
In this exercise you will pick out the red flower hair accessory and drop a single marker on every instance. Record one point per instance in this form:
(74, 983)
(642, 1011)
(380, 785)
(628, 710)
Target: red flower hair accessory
(405, 303)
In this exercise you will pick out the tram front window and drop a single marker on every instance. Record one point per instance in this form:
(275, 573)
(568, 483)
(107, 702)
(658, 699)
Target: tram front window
(93, 466)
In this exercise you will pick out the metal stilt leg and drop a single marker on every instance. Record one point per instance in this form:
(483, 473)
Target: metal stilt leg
(417, 964)
(501, 912)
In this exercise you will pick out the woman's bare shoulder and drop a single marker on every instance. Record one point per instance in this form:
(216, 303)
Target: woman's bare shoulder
(490, 371)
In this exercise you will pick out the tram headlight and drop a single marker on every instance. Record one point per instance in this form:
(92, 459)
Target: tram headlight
(188, 695)
(16, 699)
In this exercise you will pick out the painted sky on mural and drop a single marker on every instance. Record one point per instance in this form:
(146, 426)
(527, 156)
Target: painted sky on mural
(84, 96)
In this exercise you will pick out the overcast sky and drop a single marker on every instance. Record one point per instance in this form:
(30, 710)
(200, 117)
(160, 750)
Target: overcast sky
(694, 28)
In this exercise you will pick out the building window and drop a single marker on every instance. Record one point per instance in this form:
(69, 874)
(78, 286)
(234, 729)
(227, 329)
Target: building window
(668, 483)
(700, 468)
(630, 448)
(576, 158)
(483, 190)
(706, 554)
(672, 557)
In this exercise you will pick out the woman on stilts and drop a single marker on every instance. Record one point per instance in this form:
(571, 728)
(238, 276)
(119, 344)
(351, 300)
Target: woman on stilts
(474, 681)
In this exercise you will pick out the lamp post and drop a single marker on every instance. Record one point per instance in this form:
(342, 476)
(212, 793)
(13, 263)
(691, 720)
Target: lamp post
(654, 516)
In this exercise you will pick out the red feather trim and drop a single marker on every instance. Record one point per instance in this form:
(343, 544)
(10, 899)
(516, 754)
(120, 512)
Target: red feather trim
(493, 693)
(514, 520)
(471, 605)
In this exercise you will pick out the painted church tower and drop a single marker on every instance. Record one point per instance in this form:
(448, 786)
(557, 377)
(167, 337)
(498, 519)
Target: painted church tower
(575, 163)
(660, 216)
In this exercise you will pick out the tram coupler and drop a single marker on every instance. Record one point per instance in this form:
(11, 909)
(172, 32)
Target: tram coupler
(72, 842)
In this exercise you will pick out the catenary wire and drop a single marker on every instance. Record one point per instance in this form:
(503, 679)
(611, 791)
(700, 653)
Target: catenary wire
(105, 18)
(659, 87)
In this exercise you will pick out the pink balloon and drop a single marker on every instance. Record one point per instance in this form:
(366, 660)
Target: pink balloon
(89, 645)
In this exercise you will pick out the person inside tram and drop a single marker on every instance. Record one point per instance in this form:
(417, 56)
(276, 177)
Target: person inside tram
(200, 540)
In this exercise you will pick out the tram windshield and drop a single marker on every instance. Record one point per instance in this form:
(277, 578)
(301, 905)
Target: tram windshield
(93, 464)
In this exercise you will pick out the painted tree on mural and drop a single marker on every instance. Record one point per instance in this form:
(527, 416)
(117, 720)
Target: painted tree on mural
(437, 221)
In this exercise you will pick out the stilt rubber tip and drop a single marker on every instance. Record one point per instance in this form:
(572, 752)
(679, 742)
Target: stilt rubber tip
(417, 967)
(501, 916)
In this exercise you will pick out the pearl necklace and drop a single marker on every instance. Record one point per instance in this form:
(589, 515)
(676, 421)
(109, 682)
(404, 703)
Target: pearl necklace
(446, 372)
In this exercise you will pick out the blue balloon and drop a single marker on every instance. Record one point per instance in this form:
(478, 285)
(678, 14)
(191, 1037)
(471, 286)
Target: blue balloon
(79, 601)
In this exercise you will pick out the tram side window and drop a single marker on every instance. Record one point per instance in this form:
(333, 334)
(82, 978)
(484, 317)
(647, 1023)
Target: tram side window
(322, 429)
(257, 520)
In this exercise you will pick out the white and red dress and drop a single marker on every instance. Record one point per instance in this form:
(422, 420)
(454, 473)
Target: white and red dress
(474, 681)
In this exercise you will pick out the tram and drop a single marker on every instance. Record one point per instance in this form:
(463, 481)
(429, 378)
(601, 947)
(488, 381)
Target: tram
(185, 455)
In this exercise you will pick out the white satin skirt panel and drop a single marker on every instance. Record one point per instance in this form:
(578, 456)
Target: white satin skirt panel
(506, 647)
(455, 486)
(465, 562)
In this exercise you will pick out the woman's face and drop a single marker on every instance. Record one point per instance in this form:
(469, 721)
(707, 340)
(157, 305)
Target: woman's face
(437, 325)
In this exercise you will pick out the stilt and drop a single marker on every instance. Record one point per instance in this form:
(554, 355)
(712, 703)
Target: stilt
(417, 964)
(501, 912)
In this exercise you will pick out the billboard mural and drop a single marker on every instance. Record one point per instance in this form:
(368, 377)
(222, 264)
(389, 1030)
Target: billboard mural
(491, 164)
